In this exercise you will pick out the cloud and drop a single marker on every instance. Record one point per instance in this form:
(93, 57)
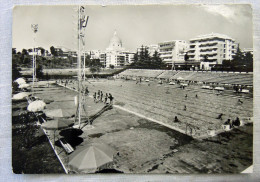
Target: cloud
(226, 11)
(238, 13)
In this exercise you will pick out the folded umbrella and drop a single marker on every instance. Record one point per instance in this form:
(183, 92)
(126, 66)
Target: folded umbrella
(37, 105)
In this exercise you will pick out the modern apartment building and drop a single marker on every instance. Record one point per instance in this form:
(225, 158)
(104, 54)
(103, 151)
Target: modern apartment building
(214, 47)
(173, 52)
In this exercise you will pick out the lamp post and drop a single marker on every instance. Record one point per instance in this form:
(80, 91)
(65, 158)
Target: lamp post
(35, 30)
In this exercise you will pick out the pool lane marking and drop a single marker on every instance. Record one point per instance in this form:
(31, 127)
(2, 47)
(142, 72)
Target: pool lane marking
(138, 114)
(150, 119)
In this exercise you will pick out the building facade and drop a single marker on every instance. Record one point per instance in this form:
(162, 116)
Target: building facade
(150, 48)
(212, 47)
(114, 55)
(173, 52)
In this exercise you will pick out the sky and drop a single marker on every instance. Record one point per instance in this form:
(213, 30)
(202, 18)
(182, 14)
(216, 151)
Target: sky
(136, 25)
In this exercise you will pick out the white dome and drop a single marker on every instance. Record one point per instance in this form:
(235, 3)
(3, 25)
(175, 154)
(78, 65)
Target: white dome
(115, 42)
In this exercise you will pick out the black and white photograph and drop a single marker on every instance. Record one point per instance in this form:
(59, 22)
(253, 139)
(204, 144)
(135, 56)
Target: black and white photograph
(132, 89)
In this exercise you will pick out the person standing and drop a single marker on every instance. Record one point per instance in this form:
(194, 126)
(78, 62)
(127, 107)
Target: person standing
(101, 96)
(176, 120)
(98, 95)
(86, 91)
(106, 96)
(111, 98)
(94, 96)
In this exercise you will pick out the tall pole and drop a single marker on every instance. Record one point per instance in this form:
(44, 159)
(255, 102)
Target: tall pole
(82, 23)
(79, 69)
(35, 30)
(84, 66)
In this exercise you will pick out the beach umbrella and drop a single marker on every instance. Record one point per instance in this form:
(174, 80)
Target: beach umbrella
(90, 158)
(37, 105)
(20, 81)
(48, 101)
(59, 113)
(179, 78)
(24, 85)
(57, 125)
(20, 96)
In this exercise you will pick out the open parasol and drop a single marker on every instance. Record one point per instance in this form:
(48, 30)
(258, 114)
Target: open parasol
(90, 158)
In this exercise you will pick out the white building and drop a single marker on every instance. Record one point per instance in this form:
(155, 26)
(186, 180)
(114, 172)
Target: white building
(153, 48)
(129, 57)
(173, 51)
(94, 54)
(150, 48)
(115, 54)
(216, 47)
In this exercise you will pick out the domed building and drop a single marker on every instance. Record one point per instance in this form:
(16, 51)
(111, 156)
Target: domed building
(115, 43)
(114, 55)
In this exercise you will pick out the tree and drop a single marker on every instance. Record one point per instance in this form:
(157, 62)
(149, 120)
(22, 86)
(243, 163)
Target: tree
(248, 58)
(39, 71)
(42, 51)
(29, 50)
(13, 50)
(93, 64)
(156, 62)
(205, 58)
(239, 57)
(15, 72)
(142, 59)
(53, 51)
(24, 52)
(186, 57)
(111, 66)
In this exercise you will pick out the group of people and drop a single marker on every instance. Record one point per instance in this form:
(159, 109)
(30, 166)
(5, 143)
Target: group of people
(233, 123)
(100, 97)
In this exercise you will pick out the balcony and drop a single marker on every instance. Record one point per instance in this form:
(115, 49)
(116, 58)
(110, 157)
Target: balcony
(208, 52)
(209, 48)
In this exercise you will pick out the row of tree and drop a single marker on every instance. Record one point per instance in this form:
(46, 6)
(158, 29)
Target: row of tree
(27, 51)
(240, 62)
(142, 59)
